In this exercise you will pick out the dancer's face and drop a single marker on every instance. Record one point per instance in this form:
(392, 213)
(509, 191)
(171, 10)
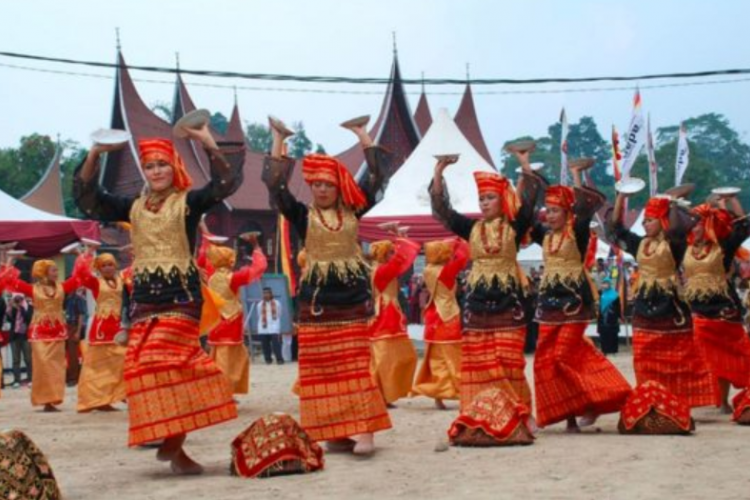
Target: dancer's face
(556, 217)
(489, 204)
(324, 194)
(52, 273)
(108, 270)
(652, 227)
(159, 175)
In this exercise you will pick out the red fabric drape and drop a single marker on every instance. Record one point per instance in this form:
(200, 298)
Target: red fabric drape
(423, 228)
(45, 239)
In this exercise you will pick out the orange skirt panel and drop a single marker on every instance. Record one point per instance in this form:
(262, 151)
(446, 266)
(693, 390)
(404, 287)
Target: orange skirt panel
(234, 362)
(394, 361)
(572, 377)
(338, 395)
(48, 375)
(675, 361)
(101, 381)
(726, 348)
(492, 359)
(439, 375)
(173, 387)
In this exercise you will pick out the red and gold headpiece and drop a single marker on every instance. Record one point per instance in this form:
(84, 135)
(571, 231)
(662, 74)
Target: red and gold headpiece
(319, 167)
(491, 182)
(560, 196)
(658, 208)
(154, 149)
(717, 222)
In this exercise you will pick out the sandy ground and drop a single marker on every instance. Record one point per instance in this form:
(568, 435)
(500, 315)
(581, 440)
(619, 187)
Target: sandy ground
(91, 461)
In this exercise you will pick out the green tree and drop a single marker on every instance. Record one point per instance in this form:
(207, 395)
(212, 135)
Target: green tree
(22, 167)
(219, 123)
(258, 137)
(73, 155)
(319, 149)
(163, 110)
(299, 143)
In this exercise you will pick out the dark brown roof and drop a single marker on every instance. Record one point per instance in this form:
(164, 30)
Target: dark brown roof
(235, 132)
(47, 193)
(468, 123)
(422, 116)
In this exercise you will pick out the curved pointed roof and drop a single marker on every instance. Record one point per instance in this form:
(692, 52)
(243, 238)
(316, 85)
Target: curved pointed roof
(468, 123)
(422, 116)
(47, 194)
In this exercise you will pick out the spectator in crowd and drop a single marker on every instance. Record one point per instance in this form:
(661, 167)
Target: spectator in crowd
(75, 318)
(269, 327)
(608, 322)
(19, 316)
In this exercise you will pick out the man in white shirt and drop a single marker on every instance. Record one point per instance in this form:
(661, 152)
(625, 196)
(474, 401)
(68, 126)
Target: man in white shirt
(269, 327)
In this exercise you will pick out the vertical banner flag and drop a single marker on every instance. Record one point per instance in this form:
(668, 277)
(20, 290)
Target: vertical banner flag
(563, 148)
(616, 170)
(284, 254)
(683, 156)
(653, 167)
(636, 138)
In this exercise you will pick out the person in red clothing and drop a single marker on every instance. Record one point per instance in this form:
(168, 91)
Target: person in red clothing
(225, 340)
(440, 373)
(394, 359)
(102, 383)
(47, 332)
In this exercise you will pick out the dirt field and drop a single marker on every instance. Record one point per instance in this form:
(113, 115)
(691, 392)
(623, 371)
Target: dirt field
(91, 461)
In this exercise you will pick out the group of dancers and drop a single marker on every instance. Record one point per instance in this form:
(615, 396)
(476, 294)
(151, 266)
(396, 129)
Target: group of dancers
(355, 358)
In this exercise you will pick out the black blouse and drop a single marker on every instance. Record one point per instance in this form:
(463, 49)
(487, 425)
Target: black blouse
(166, 291)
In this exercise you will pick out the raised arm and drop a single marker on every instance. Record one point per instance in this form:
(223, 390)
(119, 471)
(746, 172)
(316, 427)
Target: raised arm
(454, 266)
(529, 188)
(226, 162)
(617, 233)
(681, 223)
(403, 257)
(442, 210)
(90, 197)
(587, 202)
(252, 272)
(82, 273)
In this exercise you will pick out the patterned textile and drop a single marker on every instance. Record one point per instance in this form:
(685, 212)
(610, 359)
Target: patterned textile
(25, 473)
(571, 376)
(48, 375)
(273, 445)
(494, 418)
(394, 362)
(726, 348)
(439, 376)
(491, 359)
(101, 381)
(675, 361)
(741, 403)
(338, 396)
(173, 387)
(652, 409)
(234, 362)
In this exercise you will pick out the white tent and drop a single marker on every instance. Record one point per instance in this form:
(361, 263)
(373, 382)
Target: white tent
(533, 253)
(407, 190)
(13, 210)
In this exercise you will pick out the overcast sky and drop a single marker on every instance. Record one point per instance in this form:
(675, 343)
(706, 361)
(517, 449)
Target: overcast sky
(508, 39)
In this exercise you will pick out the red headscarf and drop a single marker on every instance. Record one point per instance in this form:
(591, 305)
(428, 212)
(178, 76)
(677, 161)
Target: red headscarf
(163, 149)
(560, 196)
(717, 222)
(491, 182)
(658, 208)
(319, 167)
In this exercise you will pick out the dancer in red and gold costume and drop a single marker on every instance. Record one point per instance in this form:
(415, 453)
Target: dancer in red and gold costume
(572, 378)
(664, 347)
(717, 309)
(339, 400)
(47, 332)
(226, 339)
(172, 385)
(394, 359)
(102, 384)
(439, 375)
(494, 330)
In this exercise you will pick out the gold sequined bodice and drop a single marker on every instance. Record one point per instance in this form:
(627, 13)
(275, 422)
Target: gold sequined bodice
(657, 265)
(330, 245)
(48, 309)
(159, 239)
(562, 260)
(493, 254)
(220, 283)
(443, 297)
(704, 273)
(109, 301)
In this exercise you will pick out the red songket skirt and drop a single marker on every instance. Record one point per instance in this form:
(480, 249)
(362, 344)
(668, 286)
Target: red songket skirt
(493, 359)
(741, 402)
(227, 332)
(173, 387)
(572, 377)
(675, 361)
(726, 347)
(656, 397)
(338, 395)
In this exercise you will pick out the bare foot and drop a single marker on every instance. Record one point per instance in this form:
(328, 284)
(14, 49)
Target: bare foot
(588, 420)
(48, 408)
(183, 465)
(440, 405)
(171, 448)
(726, 409)
(345, 445)
(390, 406)
(365, 446)
(572, 427)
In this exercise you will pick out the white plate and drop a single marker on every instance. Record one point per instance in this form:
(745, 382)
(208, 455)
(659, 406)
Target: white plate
(683, 202)
(447, 157)
(631, 185)
(213, 238)
(193, 120)
(110, 136)
(73, 247)
(726, 191)
(593, 224)
(16, 252)
(91, 243)
(535, 167)
(359, 121)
